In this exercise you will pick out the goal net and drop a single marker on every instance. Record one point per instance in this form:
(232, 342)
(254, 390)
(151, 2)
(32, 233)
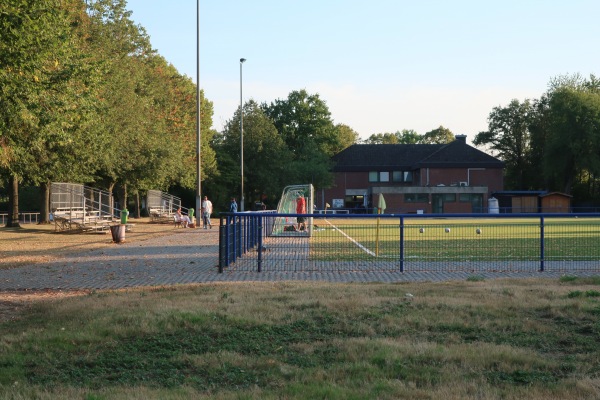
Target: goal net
(284, 226)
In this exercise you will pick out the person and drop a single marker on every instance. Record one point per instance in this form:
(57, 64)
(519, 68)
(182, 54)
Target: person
(185, 220)
(301, 209)
(233, 205)
(207, 208)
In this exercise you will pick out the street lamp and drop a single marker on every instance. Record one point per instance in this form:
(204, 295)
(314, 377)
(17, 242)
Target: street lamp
(198, 142)
(241, 137)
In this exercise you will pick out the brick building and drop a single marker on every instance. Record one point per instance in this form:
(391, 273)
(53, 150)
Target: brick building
(429, 178)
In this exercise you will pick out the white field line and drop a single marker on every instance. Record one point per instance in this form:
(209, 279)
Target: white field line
(369, 252)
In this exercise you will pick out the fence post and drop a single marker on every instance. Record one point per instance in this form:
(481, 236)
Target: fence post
(401, 244)
(542, 249)
(229, 233)
(222, 244)
(260, 246)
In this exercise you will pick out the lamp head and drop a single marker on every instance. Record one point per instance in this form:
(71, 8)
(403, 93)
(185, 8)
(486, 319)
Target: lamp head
(242, 60)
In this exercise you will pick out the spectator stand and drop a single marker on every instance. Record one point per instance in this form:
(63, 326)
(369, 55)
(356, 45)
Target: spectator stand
(75, 207)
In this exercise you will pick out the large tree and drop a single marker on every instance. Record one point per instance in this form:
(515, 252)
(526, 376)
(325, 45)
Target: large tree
(508, 136)
(304, 123)
(44, 92)
(268, 163)
(150, 109)
(573, 147)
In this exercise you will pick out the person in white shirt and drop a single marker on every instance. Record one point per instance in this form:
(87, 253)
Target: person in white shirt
(185, 220)
(207, 209)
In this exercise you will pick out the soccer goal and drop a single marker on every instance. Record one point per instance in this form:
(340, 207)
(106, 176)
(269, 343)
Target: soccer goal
(286, 226)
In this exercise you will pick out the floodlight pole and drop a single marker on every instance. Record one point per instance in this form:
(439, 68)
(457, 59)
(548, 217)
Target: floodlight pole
(198, 118)
(241, 137)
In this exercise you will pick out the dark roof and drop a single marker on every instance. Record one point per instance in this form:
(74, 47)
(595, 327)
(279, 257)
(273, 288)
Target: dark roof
(555, 194)
(520, 193)
(368, 157)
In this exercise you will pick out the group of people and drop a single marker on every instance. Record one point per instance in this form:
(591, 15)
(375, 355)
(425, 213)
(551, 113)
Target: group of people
(207, 209)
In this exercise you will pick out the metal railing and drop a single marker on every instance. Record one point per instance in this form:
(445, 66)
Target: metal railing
(410, 242)
(24, 218)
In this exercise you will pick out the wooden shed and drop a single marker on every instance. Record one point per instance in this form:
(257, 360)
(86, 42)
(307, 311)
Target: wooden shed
(555, 202)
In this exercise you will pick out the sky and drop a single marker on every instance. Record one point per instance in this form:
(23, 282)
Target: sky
(380, 65)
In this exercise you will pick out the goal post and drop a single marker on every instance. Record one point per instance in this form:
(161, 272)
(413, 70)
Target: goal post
(284, 226)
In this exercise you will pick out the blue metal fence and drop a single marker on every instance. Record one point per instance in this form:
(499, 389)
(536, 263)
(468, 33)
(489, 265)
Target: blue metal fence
(415, 242)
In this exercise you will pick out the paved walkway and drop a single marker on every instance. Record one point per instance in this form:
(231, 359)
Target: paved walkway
(187, 256)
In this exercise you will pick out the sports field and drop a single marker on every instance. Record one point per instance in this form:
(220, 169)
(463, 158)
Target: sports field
(459, 239)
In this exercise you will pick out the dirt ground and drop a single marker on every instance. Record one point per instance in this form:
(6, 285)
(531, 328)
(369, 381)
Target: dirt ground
(32, 244)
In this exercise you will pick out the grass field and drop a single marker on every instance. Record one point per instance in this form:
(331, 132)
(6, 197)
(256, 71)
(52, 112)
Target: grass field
(534, 339)
(457, 239)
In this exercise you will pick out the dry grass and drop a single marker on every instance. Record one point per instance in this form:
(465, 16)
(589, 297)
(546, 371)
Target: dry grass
(32, 244)
(507, 339)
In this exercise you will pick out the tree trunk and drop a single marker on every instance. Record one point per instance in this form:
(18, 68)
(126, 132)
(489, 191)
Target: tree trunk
(111, 186)
(13, 203)
(124, 197)
(44, 203)
(138, 213)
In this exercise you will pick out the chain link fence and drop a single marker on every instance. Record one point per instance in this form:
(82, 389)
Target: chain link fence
(399, 243)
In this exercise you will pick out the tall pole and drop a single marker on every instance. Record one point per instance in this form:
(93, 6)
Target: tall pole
(198, 142)
(241, 137)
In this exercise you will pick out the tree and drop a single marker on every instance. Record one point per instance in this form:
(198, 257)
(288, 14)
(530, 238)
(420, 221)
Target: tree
(573, 147)
(304, 122)
(439, 135)
(43, 84)
(346, 137)
(406, 136)
(382, 138)
(267, 160)
(508, 135)
(149, 110)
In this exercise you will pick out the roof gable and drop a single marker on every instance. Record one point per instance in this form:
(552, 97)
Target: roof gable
(368, 157)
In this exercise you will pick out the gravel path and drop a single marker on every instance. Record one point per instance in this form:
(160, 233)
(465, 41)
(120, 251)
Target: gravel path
(188, 256)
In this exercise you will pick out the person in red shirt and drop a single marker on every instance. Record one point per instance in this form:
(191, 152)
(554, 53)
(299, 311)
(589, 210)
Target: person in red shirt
(301, 209)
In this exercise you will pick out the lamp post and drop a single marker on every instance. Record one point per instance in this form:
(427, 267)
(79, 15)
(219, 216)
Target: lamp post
(198, 143)
(241, 137)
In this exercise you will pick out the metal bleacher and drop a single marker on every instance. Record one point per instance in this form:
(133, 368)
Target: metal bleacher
(75, 207)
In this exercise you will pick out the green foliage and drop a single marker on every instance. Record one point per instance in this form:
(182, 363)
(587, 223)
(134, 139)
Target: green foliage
(267, 159)
(587, 293)
(475, 278)
(574, 135)
(551, 143)
(304, 123)
(406, 136)
(508, 136)
(439, 135)
(590, 280)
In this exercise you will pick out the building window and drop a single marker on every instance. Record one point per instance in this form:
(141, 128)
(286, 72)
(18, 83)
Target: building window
(373, 176)
(416, 198)
(449, 197)
(384, 176)
(402, 176)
